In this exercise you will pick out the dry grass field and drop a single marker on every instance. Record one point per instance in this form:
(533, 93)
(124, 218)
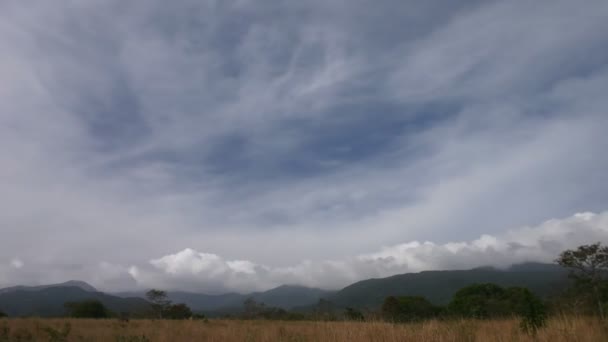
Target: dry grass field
(558, 329)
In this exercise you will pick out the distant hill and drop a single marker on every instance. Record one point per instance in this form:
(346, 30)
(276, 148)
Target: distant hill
(439, 286)
(71, 283)
(285, 296)
(290, 296)
(48, 301)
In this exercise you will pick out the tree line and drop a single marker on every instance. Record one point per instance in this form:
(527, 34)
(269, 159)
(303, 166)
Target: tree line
(160, 307)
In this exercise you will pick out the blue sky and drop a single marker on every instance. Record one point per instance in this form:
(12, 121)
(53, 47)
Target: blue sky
(239, 145)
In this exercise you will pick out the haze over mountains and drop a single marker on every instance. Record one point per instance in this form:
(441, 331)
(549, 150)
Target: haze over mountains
(437, 286)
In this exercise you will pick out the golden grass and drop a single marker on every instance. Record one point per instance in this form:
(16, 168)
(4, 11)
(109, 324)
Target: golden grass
(558, 329)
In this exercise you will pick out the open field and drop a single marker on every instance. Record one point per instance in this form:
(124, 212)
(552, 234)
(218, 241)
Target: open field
(558, 329)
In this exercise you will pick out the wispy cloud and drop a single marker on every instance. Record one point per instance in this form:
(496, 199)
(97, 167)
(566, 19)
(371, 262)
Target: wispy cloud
(318, 130)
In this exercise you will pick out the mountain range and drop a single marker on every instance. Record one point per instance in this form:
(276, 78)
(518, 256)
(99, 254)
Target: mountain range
(285, 297)
(49, 300)
(71, 283)
(437, 286)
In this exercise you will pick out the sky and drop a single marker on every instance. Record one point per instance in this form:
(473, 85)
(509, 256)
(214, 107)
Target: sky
(239, 145)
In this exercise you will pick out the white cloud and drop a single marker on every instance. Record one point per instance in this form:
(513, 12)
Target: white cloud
(543, 243)
(17, 263)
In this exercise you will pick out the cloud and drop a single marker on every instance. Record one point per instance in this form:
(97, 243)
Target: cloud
(318, 130)
(17, 263)
(542, 243)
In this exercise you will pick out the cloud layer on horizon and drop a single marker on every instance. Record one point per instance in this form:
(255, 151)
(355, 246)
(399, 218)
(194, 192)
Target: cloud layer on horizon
(192, 270)
(132, 130)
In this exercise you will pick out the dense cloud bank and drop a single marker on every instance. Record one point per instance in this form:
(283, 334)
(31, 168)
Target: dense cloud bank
(192, 270)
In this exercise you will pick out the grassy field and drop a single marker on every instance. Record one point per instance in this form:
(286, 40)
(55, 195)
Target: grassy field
(558, 329)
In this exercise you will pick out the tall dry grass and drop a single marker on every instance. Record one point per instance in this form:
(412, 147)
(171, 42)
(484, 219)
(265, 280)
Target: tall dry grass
(558, 329)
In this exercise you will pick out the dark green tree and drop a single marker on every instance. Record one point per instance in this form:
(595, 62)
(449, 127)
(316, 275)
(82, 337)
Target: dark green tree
(480, 301)
(159, 300)
(407, 309)
(178, 311)
(490, 300)
(87, 309)
(2, 314)
(588, 265)
(573, 301)
(390, 309)
(257, 310)
(533, 313)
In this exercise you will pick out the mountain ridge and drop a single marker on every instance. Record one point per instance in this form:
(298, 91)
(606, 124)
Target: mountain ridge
(437, 286)
(70, 283)
(283, 296)
(50, 301)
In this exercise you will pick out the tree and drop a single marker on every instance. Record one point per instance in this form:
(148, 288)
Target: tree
(588, 265)
(2, 314)
(490, 300)
(257, 310)
(178, 311)
(160, 301)
(407, 308)
(480, 301)
(390, 308)
(573, 301)
(87, 309)
(533, 313)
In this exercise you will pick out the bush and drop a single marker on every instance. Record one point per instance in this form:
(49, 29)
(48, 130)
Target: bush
(533, 312)
(480, 301)
(491, 301)
(408, 308)
(178, 311)
(87, 309)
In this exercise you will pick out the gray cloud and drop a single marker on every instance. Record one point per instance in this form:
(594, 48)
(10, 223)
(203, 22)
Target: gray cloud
(319, 130)
(194, 270)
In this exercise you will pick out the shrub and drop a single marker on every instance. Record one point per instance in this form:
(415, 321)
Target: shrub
(492, 301)
(407, 309)
(534, 315)
(178, 311)
(87, 309)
